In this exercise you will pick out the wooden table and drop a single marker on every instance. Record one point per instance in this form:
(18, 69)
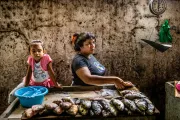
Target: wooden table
(15, 110)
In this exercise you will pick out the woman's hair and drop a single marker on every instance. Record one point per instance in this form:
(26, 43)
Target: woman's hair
(35, 42)
(79, 39)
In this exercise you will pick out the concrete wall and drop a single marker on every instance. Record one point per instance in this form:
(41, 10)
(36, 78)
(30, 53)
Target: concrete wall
(119, 26)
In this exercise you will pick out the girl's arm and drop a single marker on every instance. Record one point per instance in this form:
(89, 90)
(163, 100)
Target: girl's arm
(85, 75)
(28, 75)
(52, 75)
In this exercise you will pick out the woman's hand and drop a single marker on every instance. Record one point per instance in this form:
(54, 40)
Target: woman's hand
(58, 85)
(128, 84)
(120, 84)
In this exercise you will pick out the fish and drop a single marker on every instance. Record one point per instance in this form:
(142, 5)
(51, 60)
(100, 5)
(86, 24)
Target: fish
(45, 112)
(58, 101)
(113, 110)
(129, 104)
(118, 104)
(150, 109)
(77, 101)
(85, 103)
(58, 110)
(82, 110)
(141, 111)
(91, 113)
(124, 92)
(50, 106)
(37, 108)
(66, 105)
(72, 110)
(134, 95)
(105, 104)
(128, 111)
(96, 107)
(141, 104)
(106, 113)
(147, 100)
(29, 113)
(68, 99)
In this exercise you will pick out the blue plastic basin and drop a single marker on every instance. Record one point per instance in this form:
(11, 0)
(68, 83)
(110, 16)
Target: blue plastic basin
(31, 95)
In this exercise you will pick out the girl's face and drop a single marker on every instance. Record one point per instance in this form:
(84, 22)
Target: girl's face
(88, 47)
(36, 52)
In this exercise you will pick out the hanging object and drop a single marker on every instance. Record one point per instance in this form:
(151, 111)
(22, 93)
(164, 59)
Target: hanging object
(162, 47)
(164, 33)
(158, 46)
(157, 7)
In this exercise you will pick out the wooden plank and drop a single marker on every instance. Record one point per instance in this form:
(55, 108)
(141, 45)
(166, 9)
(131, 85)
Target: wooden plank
(123, 117)
(10, 108)
(82, 88)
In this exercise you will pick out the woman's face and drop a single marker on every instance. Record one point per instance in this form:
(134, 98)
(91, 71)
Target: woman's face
(36, 52)
(88, 47)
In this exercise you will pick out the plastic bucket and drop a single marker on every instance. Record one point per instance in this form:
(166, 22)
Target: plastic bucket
(31, 95)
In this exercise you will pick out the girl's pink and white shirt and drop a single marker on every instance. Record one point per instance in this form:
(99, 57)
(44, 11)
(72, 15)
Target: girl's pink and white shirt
(40, 74)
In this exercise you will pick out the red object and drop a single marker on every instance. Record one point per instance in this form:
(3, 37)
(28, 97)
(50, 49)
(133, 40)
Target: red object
(178, 87)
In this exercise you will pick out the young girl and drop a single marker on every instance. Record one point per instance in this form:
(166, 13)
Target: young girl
(40, 72)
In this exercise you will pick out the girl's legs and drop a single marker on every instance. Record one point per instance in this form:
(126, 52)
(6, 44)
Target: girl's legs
(11, 96)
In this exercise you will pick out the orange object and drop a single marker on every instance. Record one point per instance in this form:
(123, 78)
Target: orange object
(73, 39)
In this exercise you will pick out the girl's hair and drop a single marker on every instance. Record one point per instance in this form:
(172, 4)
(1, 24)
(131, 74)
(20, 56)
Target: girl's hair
(79, 39)
(35, 42)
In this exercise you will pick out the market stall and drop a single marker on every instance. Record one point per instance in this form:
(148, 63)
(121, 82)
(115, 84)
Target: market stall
(94, 94)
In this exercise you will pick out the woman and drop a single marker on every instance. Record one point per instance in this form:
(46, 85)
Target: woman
(86, 69)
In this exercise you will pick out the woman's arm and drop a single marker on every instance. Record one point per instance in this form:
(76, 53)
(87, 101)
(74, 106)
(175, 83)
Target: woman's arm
(28, 75)
(85, 75)
(52, 75)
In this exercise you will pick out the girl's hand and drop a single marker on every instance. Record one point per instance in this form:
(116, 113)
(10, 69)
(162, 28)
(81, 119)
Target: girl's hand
(58, 85)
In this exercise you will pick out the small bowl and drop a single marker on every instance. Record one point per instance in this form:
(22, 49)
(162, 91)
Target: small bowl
(178, 87)
(31, 95)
